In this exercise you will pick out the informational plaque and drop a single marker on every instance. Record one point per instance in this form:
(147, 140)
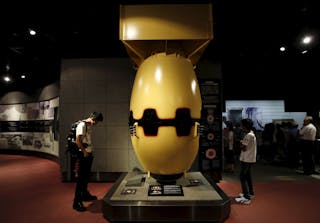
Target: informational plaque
(165, 190)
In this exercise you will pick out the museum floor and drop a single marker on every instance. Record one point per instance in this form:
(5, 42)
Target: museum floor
(31, 192)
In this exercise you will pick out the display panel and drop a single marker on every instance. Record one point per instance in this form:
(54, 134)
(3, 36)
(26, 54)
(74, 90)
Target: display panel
(210, 142)
(30, 126)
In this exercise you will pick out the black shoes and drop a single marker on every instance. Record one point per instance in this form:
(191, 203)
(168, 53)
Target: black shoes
(89, 197)
(78, 206)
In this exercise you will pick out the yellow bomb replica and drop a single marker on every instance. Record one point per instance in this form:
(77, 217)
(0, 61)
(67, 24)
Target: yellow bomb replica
(165, 108)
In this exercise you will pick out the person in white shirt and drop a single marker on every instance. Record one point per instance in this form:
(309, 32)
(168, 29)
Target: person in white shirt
(247, 159)
(85, 158)
(307, 142)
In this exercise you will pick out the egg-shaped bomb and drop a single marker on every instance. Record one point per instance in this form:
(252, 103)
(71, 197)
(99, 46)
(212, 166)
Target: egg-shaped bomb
(165, 107)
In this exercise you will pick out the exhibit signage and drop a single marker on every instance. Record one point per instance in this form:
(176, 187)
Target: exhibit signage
(165, 190)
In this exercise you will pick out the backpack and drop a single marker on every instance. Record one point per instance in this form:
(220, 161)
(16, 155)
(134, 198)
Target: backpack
(71, 139)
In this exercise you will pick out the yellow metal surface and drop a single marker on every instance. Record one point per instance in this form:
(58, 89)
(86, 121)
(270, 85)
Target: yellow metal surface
(166, 22)
(186, 29)
(139, 50)
(165, 153)
(165, 41)
(165, 83)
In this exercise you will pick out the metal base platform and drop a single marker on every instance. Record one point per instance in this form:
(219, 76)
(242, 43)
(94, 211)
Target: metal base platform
(135, 197)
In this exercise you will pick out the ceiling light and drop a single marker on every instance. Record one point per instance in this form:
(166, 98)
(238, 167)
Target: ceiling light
(282, 48)
(6, 78)
(7, 67)
(23, 76)
(306, 39)
(305, 51)
(32, 32)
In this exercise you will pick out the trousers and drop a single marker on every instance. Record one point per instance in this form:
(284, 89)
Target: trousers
(85, 164)
(245, 179)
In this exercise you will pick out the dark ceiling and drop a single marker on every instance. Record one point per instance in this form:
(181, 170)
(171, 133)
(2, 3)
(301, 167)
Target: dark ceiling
(247, 38)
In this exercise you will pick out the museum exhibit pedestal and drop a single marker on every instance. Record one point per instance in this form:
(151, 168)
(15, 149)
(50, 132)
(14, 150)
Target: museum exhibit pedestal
(195, 197)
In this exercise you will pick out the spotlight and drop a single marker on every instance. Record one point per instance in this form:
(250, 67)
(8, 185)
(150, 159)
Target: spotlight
(6, 78)
(32, 32)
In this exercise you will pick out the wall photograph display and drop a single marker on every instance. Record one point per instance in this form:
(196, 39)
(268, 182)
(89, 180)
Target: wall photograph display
(261, 112)
(43, 110)
(29, 126)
